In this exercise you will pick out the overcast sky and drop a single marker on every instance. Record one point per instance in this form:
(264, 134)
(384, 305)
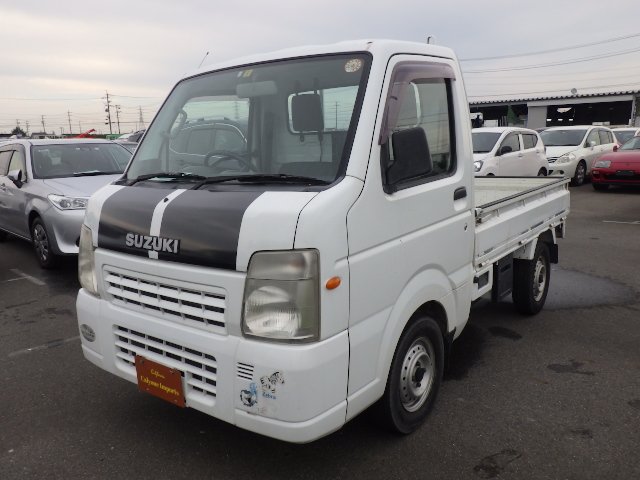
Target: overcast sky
(57, 59)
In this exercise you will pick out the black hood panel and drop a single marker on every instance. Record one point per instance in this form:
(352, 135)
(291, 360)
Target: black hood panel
(206, 224)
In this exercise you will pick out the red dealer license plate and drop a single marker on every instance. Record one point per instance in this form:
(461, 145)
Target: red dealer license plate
(160, 380)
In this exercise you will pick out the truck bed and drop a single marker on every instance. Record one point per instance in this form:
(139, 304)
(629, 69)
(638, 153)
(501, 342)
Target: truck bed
(512, 211)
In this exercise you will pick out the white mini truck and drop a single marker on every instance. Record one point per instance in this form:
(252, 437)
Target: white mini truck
(300, 236)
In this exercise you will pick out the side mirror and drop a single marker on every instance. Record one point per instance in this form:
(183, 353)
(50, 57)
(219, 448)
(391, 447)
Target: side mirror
(16, 177)
(504, 150)
(616, 147)
(592, 143)
(411, 155)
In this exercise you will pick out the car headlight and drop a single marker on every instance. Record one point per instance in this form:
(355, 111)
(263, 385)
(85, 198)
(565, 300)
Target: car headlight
(566, 158)
(86, 264)
(282, 296)
(68, 203)
(602, 164)
(477, 165)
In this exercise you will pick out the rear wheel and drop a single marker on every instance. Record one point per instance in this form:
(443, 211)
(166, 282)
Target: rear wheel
(601, 187)
(531, 281)
(414, 377)
(580, 174)
(542, 172)
(42, 244)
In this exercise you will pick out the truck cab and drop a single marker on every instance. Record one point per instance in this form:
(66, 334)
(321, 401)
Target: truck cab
(293, 240)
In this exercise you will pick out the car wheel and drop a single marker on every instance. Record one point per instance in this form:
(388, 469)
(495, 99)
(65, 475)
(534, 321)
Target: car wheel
(542, 172)
(42, 244)
(601, 187)
(580, 174)
(3, 236)
(415, 376)
(531, 281)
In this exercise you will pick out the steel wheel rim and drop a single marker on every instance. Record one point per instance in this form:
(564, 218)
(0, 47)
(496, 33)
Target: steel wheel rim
(539, 279)
(417, 374)
(41, 242)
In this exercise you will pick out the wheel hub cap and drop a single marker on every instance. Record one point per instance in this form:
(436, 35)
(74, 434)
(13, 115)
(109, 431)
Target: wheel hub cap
(40, 241)
(416, 377)
(539, 280)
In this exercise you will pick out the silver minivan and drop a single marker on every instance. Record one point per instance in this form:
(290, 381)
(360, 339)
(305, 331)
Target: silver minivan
(44, 187)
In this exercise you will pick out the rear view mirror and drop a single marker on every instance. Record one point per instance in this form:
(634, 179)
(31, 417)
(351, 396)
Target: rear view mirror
(592, 143)
(411, 155)
(256, 89)
(504, 150)
(16, 177)
(616, 147)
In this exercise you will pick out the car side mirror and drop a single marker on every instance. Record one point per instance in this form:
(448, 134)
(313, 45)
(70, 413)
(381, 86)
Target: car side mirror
(504, 150)
(592, 143)
(616, 147)
(16, 177)
(411, 155)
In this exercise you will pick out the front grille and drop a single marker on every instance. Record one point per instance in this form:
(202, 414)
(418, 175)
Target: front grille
(199, 369)
(190, 306)
(621, 177)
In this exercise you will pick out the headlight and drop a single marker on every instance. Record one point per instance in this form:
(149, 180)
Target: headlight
(602, 164)
(68, 203)
(86, 266)
(282, 296)
(477, 165)
(566, 158)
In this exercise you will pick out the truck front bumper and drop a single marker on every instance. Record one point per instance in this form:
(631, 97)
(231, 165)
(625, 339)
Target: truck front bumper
(289, 392)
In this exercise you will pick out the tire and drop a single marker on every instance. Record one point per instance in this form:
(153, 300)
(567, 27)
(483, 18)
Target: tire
(3, 236)
(41, 242)
(542, 172)
(601, 187)
(580, 174)
(414, 377)
(531, 281)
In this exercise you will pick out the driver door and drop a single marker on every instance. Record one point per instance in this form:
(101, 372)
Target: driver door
(509, 163)
(12, 197)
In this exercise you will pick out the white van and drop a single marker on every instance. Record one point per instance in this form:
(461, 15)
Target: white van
(572, 150)
(508, 152)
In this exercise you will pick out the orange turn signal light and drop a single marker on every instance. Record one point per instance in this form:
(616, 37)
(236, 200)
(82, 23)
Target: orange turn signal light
(333, 282)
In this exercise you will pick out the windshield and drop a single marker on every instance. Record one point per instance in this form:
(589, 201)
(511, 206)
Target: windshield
(633, 144)
(562, 138)
(287, 117)
(75, 159)
(624, 135)
(483, 142)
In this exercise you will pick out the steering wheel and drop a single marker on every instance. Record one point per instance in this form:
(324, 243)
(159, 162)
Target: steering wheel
(226, 155)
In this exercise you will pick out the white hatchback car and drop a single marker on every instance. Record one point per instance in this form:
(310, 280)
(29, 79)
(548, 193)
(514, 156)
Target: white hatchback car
(572, 150)
(508, 152)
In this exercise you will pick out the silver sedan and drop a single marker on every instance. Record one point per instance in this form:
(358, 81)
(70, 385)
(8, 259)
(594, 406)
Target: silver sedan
(44, 188)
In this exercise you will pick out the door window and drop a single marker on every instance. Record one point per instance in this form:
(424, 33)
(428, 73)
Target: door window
(420, 99)
(593, 137)
(5, 157)
(605, 137)
(512, 141)
(17, 163)
(529, 140)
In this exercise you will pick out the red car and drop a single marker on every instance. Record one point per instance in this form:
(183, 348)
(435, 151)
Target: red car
(618, 168)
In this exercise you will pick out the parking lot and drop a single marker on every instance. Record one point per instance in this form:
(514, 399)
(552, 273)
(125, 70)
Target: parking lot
(553, 396)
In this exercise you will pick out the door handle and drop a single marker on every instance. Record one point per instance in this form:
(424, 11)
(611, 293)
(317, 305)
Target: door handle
(460, 192)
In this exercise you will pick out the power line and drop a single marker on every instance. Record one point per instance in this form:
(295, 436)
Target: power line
(555, 64)
(553, 50)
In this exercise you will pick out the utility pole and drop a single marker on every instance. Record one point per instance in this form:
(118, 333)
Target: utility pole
(117, 107)
(44, 129)
(27, 124)
(140, 120)
(69, 117)
(108, 111)
(61, 131)
(79, 126)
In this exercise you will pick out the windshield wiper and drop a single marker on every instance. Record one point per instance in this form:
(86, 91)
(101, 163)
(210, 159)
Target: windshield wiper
(170, 175)
(262, 178)
(90, 173)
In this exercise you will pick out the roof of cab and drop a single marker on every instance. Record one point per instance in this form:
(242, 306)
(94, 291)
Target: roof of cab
(384, 48)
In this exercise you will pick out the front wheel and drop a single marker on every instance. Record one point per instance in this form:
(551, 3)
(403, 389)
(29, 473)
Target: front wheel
(580, 174)
(415, 376)
(531, 281)
(42, 245)
(542, 172)
(3, 236)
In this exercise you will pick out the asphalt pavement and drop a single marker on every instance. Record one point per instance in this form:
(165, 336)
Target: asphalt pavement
(555, 396)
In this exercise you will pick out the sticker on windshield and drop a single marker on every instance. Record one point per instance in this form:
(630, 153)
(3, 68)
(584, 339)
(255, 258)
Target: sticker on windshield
(245, 73)
(353, 65)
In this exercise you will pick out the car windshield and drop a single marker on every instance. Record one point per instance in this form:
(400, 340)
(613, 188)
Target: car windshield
(483, 142)
(292, 118)
(562, 138)
(633, 144)
(624, 136)
(76, 159)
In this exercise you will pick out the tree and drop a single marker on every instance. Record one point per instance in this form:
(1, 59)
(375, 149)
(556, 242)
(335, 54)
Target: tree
(18, 132)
